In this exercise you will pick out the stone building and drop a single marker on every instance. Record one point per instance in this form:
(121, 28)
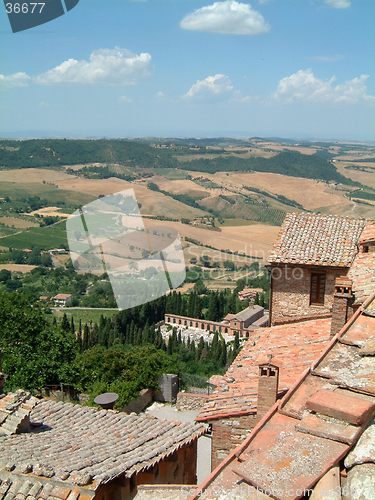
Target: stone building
(240, 397)
(319, 439)
(242, 394)
(243, 323)
(60, 451)
(310, 252)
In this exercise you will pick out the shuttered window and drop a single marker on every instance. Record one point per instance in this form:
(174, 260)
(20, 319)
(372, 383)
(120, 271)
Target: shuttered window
(318, 285)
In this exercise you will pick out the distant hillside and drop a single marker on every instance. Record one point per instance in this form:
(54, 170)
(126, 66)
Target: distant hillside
(287, 163)
(59, 152)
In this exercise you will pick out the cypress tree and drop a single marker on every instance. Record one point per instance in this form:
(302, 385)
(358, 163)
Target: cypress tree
(170, 346)
(72, 328)
(65, 325)
(223, 354)
(85, 342)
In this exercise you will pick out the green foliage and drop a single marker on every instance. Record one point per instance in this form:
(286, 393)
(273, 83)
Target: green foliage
(55, 152)
(47, 238)
(123, 371)
(35, 353)
(363, 195)
(153, 186)
(289, 163)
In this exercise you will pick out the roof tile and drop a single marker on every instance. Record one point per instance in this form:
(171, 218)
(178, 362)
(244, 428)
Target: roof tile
(321, 240)
(294, 345)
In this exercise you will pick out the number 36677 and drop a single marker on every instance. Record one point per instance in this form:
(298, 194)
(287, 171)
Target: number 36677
(24, 8)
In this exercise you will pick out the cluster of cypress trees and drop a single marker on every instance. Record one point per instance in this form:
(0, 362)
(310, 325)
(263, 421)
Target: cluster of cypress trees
(137, 327)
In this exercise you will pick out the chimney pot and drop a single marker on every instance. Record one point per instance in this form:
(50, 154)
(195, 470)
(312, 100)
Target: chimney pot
(342, 304)
(268, 386)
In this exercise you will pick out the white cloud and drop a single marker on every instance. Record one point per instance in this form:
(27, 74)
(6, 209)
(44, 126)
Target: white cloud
(229, 17)
(326, 58)
(304, 86)
(215, 85)
(338, 4)
(106, 66)
(160, 96)
(124, 98)
(15, 80)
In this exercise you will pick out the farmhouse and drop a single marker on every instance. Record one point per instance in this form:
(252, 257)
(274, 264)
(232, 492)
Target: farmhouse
(62, 299)
(310, 252)
(69, 452)
(319, 434)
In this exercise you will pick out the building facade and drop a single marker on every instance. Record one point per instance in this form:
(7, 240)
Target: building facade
(310, 252)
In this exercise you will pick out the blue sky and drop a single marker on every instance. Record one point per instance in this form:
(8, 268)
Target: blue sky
(183, 68)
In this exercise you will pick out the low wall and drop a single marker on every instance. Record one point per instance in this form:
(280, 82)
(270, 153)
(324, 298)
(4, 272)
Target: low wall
(139, 404)
(189, 401)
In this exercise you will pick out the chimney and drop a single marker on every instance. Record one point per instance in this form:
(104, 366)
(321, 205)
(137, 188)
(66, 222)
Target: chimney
(2, 375)
(342, 304)
(268, 386)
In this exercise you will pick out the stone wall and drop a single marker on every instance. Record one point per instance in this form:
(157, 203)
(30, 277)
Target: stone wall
(178, 468)
(291, 293)
(139, 404)
(227, 434)
(188, 401)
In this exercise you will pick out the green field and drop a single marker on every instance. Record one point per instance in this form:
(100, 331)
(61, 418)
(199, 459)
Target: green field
(236, 222)
(45, 191)
(44, 237)
(172, 174)
(85, 315)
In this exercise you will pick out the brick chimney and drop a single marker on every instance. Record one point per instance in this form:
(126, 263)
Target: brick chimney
(268, 386)
(342, 303)
(2, 375)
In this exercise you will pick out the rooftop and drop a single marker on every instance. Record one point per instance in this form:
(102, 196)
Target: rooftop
(315, 425)
(362, 270)
(295, 345)
(85, 447)
(319, 240)
(62, 296)
(247, 313)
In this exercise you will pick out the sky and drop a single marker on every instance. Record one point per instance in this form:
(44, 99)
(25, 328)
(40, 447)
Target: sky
(301, 69)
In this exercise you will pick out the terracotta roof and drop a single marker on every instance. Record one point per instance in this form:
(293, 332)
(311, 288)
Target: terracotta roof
(14, 486)
(320, 240)
(295, 345)
(362, 269)
(314, 426)
(14, 412)
(83, 446)
(62, 296)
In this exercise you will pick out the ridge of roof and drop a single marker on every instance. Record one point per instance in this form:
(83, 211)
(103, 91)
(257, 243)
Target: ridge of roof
(296, 443)
(88, 447)
(314, 239)
(296, 345)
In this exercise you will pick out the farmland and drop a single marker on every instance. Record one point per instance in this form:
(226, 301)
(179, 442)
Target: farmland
(247, 206)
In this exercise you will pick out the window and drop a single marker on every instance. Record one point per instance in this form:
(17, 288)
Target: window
(318, 285)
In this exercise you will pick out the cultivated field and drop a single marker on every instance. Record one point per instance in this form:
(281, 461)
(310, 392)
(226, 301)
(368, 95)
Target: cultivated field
(367, 177)
(17, 268)
(53, 211)
(32, 175)
(256, 240)
(17, 223)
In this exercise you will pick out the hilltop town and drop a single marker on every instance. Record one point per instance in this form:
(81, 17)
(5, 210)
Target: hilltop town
(268, 337)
